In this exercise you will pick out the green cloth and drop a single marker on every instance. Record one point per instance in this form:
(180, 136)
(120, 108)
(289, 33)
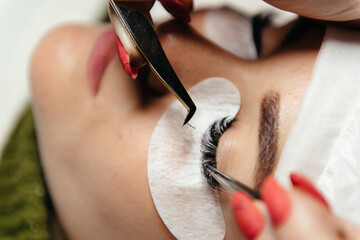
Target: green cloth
(24, 202)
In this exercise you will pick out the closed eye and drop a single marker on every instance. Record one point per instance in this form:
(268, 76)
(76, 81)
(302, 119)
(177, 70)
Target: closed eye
(209, 143)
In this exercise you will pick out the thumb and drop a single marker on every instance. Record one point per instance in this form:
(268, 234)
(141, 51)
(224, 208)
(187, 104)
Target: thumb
(179, 8)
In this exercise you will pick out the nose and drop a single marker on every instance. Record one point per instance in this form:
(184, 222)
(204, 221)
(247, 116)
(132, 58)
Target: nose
(54, 61)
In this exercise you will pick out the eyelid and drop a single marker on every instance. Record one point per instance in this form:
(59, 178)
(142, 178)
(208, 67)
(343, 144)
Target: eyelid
(209, 143)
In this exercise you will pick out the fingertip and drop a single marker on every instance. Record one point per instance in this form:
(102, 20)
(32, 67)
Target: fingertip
(247, 216)
(300, 181)
(188, 4)
(178, 9)
(125, 61)
(276, 199)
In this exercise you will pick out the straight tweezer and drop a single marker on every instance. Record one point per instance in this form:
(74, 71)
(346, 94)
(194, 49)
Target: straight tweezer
(231, 184)
(145, 39)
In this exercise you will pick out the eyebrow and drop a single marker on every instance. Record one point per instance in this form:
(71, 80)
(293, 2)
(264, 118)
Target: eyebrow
(268, 137)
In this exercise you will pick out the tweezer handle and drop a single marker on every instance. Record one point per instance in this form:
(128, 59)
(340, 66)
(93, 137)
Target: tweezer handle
(230, 183)
(143, 34)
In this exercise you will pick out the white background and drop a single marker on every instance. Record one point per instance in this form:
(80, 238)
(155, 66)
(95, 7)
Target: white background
(23, 23)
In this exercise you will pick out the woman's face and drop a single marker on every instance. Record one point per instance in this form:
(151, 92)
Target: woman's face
(94, 144)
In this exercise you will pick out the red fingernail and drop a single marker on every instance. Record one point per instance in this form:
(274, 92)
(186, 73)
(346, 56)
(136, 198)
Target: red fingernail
(125, 60)
(300, 181)
(177, 9)
(248, 218)
(276, 200)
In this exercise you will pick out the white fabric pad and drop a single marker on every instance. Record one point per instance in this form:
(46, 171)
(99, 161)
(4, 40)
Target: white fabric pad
(324, 141)
(187, 205)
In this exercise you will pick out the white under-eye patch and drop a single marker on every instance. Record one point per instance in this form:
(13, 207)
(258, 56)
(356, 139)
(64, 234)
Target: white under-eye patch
(187, 205)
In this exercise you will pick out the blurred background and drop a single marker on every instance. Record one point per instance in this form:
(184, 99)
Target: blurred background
(23, 23)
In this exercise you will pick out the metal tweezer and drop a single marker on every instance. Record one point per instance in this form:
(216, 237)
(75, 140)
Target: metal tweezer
(231, 184)
(143, 36)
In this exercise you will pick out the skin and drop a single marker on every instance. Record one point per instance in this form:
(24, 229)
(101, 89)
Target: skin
(327, 10)
(309, 219)
(94, 149)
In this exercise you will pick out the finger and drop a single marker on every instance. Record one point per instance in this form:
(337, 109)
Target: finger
(301, 182)
(308, 219)
(348, 230)
(125, 61)
(247, 216)
(276, 199)
(295, 214)
(251, 217)
(268, 232)
(299, 213)
(304, 213)
(189, 4)
(179, 9)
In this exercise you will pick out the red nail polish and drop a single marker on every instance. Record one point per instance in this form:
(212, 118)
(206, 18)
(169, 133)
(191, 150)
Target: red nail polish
(303, 183)
(248, 218)
(276, 200)
(177, 9)
(125, 60)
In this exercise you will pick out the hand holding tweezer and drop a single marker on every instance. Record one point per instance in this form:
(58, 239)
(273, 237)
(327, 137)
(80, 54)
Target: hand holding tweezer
(231, 184)
(143, 36)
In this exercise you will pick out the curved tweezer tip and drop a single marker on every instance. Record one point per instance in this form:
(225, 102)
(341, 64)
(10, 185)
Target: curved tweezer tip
(145, 39)
(190, 114)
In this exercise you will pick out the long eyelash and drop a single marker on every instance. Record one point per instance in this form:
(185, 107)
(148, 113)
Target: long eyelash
(209, 143)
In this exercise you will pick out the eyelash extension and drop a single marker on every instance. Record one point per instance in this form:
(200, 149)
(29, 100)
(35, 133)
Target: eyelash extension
(209, 143)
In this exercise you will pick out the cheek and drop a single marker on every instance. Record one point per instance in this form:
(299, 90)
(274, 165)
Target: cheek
(95, 169)
(94, 160)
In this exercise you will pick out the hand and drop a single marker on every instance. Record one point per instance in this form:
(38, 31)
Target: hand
(300, 213)
(178, 8)
(328, 10)
(130, 57)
